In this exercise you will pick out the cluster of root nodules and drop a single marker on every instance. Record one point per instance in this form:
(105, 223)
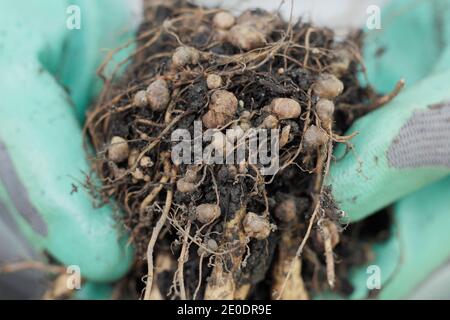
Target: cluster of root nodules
(210, 231)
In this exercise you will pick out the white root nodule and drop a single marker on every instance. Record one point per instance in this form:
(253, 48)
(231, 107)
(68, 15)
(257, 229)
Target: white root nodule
(185, 186)
(328, 86)
(158, 95)
(214, 81)
(325, 110)
(184, 56)
(285, 108)
(246, 37)
(256, 226)
(314, 137)
(118, 149)
(207, 213)
(140, 99)
(270, 122)
(222, 107)
(223, 20)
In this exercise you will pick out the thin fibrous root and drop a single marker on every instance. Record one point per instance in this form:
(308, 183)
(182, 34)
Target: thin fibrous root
(30, 265)
(154, 237)
(154, 193)
(181, 260)
(329, 257)
(389, 97)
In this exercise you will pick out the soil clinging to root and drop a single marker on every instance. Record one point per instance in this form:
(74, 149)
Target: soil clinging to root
(226, 231)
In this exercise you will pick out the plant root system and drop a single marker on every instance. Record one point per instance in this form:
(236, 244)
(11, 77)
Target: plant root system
(229, 231)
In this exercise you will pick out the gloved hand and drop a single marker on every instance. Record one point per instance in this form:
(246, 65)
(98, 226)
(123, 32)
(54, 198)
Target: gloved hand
(403, 147)
(47, 80)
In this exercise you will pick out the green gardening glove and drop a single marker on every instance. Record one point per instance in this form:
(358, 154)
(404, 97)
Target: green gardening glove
(47, 80)
(403, 149)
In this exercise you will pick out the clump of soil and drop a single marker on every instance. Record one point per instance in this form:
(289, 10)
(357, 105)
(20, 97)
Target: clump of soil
(210, 231)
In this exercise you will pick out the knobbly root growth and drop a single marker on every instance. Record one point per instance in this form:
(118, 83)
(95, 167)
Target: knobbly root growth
(219, 221)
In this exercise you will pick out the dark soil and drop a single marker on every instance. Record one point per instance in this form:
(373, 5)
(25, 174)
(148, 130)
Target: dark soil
(292, 60)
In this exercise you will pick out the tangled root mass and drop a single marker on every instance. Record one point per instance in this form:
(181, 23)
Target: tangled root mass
(221, 230)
